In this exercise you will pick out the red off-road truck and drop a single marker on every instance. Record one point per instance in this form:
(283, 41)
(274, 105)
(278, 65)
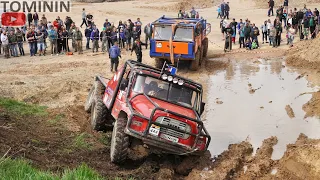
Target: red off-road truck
(160, 109)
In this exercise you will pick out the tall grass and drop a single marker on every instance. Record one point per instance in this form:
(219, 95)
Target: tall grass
(21, 169)
(22, 108)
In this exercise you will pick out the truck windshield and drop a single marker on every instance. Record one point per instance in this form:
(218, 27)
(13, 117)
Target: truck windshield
(167, 91)
(162, 32)
(183, 34)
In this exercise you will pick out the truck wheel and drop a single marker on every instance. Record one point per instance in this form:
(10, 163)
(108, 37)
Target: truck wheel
(96, 90)
(88, 103)
(195, 63)
(205, 47)
(119, 142)
(159, 63)
(99, 114)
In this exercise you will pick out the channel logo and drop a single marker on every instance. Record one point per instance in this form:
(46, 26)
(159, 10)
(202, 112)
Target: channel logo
(13, 19)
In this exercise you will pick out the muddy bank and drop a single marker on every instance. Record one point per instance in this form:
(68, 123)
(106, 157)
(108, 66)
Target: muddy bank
(312, 107)
(305, 54)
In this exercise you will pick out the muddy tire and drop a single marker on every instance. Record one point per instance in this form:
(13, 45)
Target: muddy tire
(99, 115)
(96, 90)
(119, 142)
(205, 47)
(196, 62)
(159, 63)
(88, 103)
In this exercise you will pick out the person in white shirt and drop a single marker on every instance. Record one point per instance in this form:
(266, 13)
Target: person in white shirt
(84, 17)
(5, 44)
(264, 30)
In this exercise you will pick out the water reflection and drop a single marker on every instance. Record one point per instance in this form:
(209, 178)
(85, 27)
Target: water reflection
(243, 115)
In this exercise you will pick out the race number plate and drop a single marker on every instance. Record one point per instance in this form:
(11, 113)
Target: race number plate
(154, 130)
(170, 138)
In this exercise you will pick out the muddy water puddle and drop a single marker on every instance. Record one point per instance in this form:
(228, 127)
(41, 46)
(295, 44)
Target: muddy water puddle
(248, 101)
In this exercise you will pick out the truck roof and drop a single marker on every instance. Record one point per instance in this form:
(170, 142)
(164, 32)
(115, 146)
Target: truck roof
(179, 21)
(136, 65)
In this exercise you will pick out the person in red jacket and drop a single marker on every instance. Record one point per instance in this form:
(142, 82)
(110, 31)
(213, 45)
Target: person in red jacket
(56, 24)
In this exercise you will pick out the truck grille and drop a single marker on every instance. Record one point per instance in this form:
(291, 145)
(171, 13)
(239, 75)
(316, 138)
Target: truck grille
(176, 124)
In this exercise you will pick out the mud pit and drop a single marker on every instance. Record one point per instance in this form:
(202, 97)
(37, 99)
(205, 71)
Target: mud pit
(252, 115)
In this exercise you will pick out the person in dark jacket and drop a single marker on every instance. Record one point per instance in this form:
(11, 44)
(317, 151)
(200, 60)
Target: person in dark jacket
(247, 32)
(128, 36)
(136, 47)
(95, 39)
(114, 54)
(278, 28)
(20, 35)
(222, 8)
(87, 33)
(227, 10)
(32, 42)
(147, 32)
(68, 23)
(271, 5)
(30, 18)
(35, 18)
(114, 36)
(135, 34)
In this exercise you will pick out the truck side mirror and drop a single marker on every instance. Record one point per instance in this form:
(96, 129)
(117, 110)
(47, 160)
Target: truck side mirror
(202, 107)
(123, 84)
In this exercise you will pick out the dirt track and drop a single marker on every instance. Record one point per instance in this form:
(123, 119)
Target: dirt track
(62, 83)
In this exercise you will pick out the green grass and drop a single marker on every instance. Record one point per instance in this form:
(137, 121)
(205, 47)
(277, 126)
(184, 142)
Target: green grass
(81, 141)
(56, 119)
(22, 108)
(105, 139)
(21, 169)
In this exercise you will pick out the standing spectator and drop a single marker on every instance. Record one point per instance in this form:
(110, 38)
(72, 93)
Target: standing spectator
(59, 42)
(13, 44)
(31, 40)
(5, 44)
(264, 31)
(278, 28)
(45, 35)
(306, 27)
(30, 18)
(135, 34)
(272, 35)
(78, 37)
(24, 32)
(109, 43)
(136, 47)
(148, 33)
(193, 13)
(35, 18)
(122, 38)
(312, 26)
(227, 10)
(241, 23)
(241, 34)
(180, 14)
(89, 19)
(138, 25)
(104, 39)
(87, 33)
(219, 12)
(44, 20)
(106, 23)
(128, 35)
(84, 18)
(247, 32)
(40, 42)
(234, 24)
(19, 35)
(271, 5)
(280, 14)
(255, 34)
(95, 39)
(223, 25)
(114, 36)
(52, 35)
(316, 12)
(222, 7)
(285, 5)
(68, 23)
(65, 37)
(114, 54)
(290, 34)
